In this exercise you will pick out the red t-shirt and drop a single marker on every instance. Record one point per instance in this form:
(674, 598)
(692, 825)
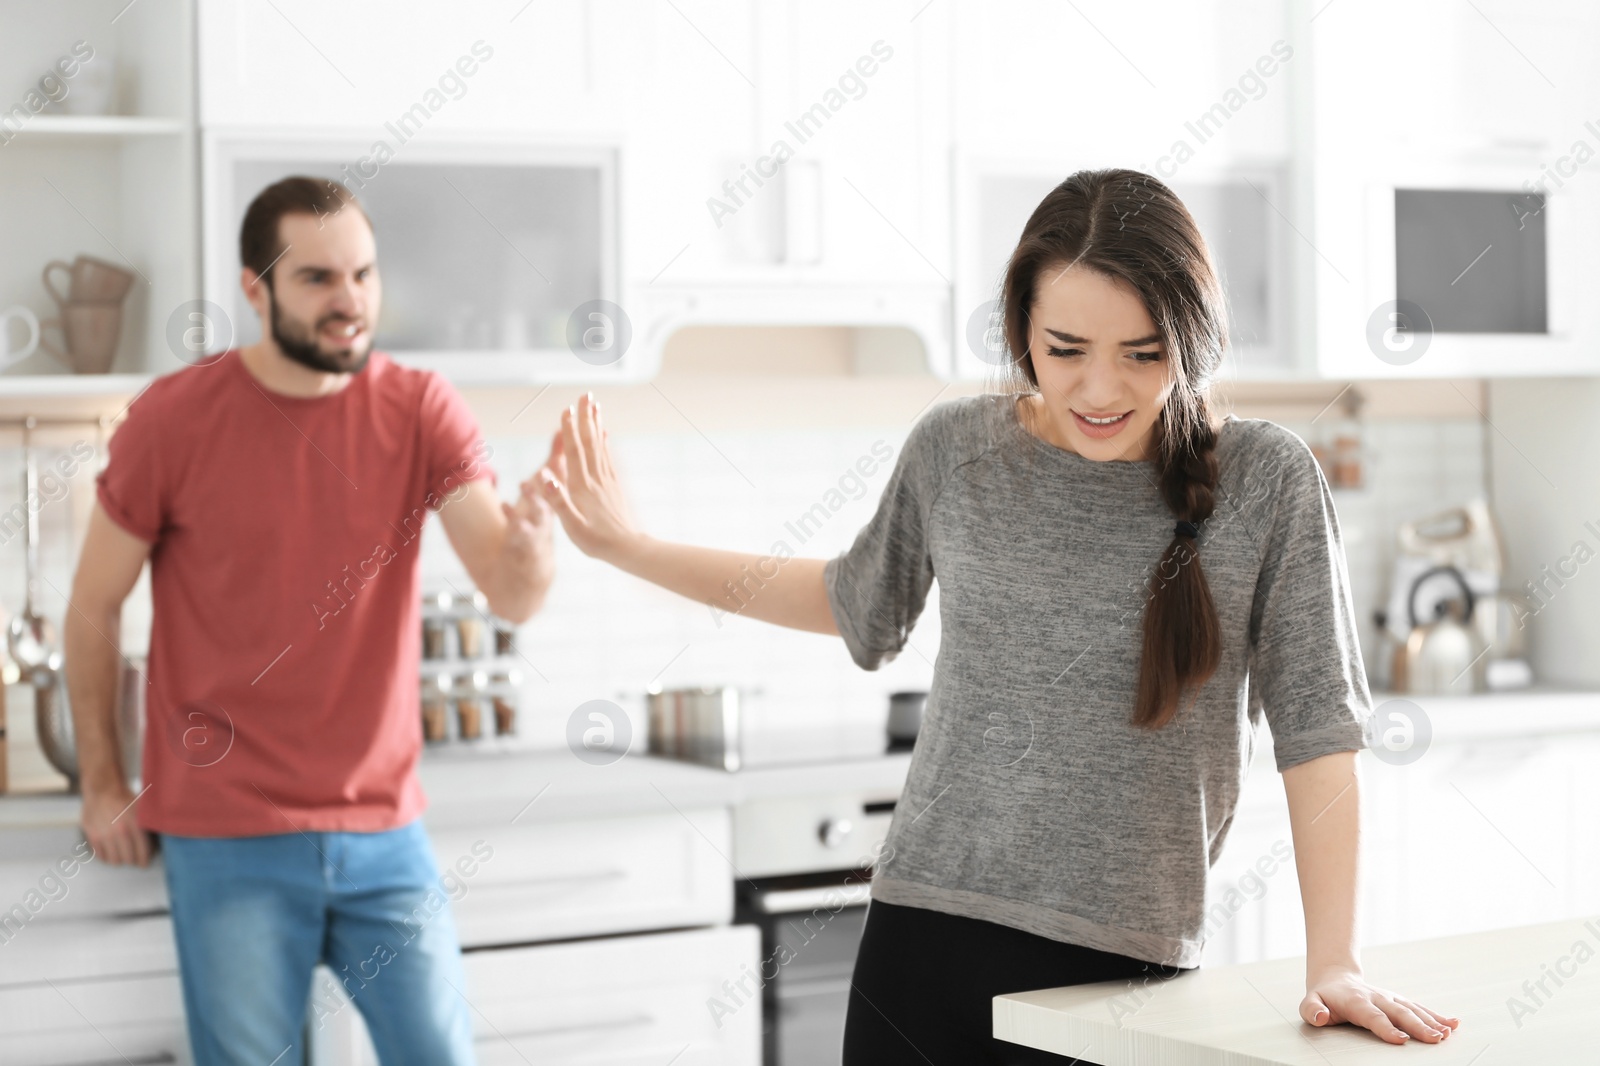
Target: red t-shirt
(285, 640)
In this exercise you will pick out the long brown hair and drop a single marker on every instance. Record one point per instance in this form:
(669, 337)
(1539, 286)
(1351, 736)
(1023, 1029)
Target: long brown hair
(1127, 225)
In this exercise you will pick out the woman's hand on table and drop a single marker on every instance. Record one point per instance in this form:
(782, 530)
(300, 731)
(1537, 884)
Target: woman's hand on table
(1343, 995)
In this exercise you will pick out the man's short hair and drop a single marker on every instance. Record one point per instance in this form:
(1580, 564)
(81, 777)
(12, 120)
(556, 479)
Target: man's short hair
(260, 244)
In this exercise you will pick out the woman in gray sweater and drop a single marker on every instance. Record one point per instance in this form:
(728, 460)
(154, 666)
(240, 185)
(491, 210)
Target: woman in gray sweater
(1126, 586)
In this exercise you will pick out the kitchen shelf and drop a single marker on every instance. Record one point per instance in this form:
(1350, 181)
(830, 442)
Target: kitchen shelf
(102, 126)
(72, 384)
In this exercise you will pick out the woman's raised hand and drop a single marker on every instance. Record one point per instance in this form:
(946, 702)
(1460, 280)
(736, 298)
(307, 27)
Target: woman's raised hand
(581, 484)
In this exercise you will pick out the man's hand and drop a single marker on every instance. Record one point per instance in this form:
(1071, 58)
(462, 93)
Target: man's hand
(111, 824)
(531, 524)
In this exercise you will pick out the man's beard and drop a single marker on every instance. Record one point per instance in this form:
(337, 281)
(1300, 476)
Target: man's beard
(302, 346)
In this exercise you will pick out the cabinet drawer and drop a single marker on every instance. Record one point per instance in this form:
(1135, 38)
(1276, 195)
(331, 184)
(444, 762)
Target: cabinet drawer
(88, 948)
(127, 1020)
(516, 884)
(48, 877)
(645, 999)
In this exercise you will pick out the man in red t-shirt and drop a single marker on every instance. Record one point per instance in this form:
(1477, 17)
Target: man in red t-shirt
(279, 492)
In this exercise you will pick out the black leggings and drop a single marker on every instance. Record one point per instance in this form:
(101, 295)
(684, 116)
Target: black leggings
(924, 981)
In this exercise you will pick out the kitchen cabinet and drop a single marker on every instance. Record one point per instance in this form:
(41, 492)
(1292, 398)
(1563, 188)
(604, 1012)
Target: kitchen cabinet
(595, 905)
(138, 1018)
(592, 876)
(1489, 97)
(828, 203)
(1213, 106)
(1488, 828)
(118, 185)
(627, 1001)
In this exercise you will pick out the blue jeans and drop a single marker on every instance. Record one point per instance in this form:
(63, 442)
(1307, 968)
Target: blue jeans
(254, 915)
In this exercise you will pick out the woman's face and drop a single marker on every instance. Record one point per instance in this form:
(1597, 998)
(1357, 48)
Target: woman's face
(1097, 354)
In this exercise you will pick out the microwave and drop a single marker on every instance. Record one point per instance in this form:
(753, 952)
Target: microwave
(1466, 268)
(497, 255)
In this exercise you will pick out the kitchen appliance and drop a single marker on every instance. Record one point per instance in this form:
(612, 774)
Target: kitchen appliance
(1481, 266)
(701, 725)
(1465, 539)
(30, 322)
(905, 719)
(805, 866)
(1446, 655)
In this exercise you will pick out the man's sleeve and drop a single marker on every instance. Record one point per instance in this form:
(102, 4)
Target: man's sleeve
(132, 488)
(453, 443)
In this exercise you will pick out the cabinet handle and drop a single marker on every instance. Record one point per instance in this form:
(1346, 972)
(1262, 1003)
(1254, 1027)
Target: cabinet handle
(566, 879)
(630, 1021)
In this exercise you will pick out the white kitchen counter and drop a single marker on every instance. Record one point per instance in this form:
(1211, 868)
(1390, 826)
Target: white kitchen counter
(1248, 1015)
(491, 787)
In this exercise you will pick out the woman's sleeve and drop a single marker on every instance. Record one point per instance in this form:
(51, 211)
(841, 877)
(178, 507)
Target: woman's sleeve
(877, 588)
(1305, 672)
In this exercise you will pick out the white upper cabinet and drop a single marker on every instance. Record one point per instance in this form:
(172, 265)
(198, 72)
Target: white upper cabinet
(776, 163)
(1207, 105)
(1455, 197)
(822, 195)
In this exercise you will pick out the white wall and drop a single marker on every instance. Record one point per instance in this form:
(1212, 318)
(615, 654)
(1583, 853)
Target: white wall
(1546, 482)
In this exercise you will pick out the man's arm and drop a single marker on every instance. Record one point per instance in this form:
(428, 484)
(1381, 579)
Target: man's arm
(107, 569)
(507, 549)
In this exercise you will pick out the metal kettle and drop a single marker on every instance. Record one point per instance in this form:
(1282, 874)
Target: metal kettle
(1444, 656)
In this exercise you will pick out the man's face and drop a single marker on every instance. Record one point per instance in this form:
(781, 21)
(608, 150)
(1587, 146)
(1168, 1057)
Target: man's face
(321, 305)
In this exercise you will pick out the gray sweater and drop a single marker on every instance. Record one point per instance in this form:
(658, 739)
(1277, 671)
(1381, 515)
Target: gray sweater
(1031, 800)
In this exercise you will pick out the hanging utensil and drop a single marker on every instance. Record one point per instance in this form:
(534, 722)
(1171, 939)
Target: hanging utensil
(30, 635)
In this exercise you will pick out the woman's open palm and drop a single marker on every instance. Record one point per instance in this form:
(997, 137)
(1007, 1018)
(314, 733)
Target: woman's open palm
(580, 482)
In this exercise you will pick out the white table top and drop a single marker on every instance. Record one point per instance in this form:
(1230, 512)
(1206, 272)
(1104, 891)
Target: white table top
(1248, 1015)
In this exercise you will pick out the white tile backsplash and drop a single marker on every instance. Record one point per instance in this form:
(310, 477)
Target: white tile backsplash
(684, 488)
(605, 634)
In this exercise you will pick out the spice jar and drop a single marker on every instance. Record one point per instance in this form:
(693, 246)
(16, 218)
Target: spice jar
(469, 632)
(433, 638)
(504, 639)
(469, 717)
(502, 688)
(436, 709)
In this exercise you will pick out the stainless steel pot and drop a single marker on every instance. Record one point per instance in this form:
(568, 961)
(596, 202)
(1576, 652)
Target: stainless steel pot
(58, 740)
(701, 725)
